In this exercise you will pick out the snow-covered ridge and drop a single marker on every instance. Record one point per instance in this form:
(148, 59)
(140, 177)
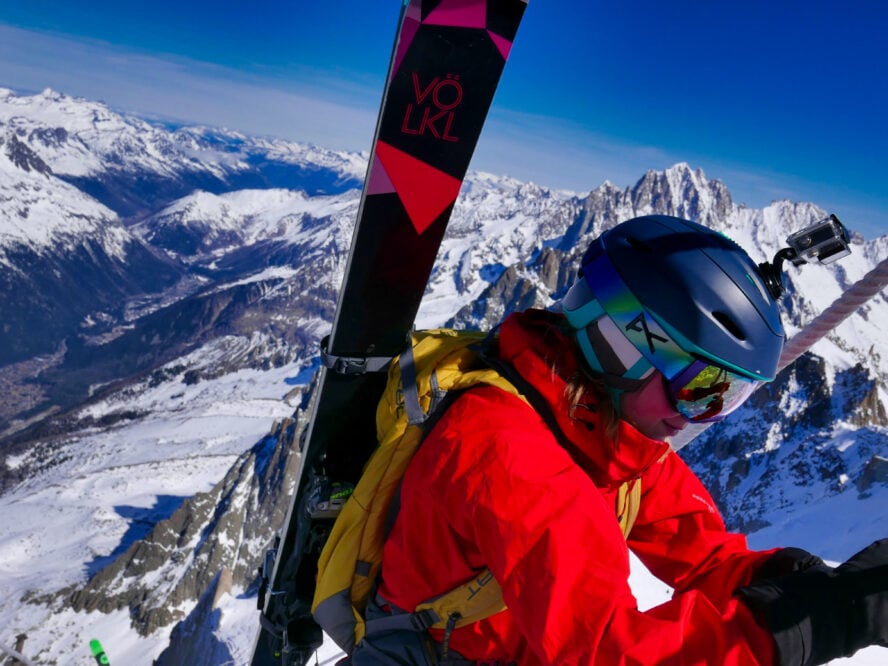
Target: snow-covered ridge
(78, 137)
(38, 210)
(247, 216)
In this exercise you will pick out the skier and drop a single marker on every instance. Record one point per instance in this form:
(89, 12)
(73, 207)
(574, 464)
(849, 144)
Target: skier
(665, 314)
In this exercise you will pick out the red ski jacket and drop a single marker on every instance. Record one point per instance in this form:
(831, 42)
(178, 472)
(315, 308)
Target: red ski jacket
(492, 487)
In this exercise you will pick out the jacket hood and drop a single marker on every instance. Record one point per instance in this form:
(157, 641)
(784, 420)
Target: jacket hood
(545, 356)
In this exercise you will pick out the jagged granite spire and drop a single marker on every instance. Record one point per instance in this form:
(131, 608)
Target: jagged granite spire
(228, 528)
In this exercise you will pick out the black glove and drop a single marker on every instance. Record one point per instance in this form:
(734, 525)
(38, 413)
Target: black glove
(817, 613)
(785, 561)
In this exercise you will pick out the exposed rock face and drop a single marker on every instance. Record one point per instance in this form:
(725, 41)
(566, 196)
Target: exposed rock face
(21, 156)
(228, 528)
(876, 471)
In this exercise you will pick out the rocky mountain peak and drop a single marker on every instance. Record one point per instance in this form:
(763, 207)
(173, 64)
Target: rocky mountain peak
(682, 192)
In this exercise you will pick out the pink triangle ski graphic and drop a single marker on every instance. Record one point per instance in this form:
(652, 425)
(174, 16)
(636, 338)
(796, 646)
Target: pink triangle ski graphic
(380, 183)
(459, 13)
(503, 44)
(424, 191)
(412, 20)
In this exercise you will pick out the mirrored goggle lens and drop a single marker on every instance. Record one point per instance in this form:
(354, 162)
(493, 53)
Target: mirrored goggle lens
(709, 393)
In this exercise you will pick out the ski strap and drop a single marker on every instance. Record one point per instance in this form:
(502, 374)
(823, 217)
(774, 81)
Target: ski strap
(352, 365)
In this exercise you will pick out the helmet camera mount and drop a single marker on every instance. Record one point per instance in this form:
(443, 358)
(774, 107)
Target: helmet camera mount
(823, 242)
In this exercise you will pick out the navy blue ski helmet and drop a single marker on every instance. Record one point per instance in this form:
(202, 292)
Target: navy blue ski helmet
(663, 293)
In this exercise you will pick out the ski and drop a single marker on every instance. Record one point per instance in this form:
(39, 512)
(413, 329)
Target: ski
(446, 64)
(98, 653)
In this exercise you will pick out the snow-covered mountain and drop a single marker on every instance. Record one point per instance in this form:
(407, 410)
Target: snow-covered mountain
(149, 438)
(92, 146)
(74, 176)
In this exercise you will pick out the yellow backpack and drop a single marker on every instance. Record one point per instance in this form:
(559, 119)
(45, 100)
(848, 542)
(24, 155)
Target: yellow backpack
(436, 363)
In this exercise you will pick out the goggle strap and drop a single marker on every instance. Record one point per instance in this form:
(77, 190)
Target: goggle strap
(616, 382)
(640, 370)
(605, 334)
(589, 352)
(609, 353)
(606, 352)
(586, 313)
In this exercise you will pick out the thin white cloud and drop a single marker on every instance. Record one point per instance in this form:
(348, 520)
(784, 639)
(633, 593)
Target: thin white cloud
(560, 153)
(183, 90)
(339, 113)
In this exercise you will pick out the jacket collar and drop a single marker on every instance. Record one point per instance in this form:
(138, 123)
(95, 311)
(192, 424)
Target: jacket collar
(546, 357)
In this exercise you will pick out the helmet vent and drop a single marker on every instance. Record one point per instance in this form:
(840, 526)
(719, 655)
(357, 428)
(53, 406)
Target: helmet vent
(639, 245)
(729, 324)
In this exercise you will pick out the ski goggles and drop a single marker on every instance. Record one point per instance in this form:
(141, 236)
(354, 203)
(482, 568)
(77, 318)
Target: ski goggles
(707, 392)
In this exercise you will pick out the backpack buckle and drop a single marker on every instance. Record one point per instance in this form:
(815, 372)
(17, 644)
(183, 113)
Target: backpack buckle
(424, 620)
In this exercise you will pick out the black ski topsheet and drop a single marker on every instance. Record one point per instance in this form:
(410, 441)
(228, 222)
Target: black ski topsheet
(446, 64)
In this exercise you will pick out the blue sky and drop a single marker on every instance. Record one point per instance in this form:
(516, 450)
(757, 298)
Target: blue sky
(776, 99)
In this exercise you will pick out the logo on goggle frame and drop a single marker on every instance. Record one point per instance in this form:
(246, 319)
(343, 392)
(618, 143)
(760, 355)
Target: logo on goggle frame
(639, 325)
